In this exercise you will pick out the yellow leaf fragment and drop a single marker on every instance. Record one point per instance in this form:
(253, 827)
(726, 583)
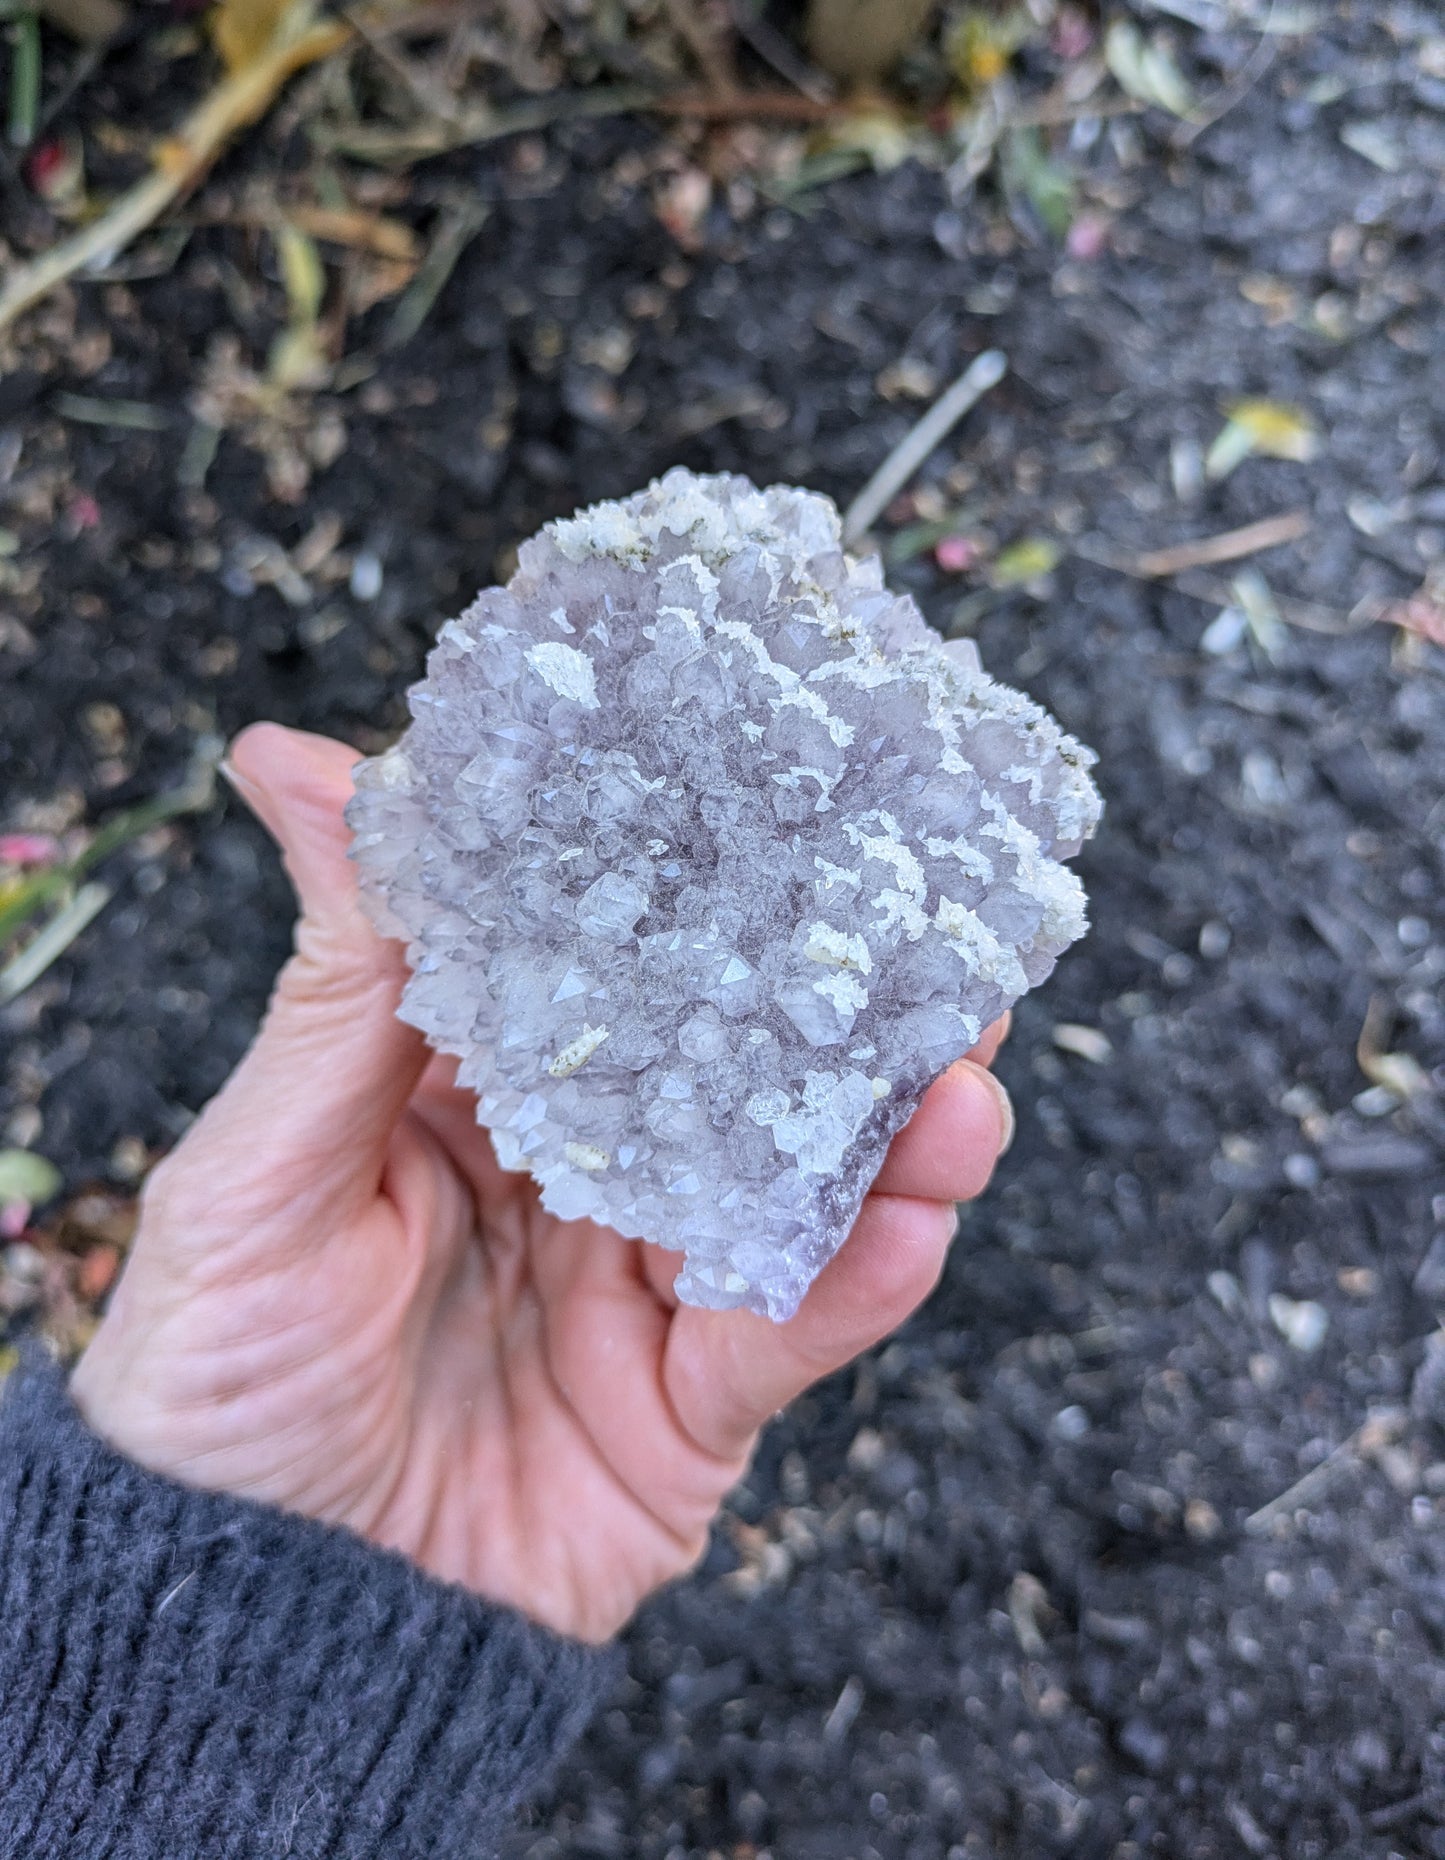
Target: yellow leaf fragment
(1028, 559)
(297, 358)
(171, 156)
(881, 136)
(301, 271)
(982, 44)
(241, 30)
(1267, 427)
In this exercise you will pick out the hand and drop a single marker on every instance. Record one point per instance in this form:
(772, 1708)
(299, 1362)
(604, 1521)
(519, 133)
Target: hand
(338, 1303)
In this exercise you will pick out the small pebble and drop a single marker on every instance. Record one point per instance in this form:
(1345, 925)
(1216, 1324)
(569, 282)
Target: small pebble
(1071, 1423)
(1301, 1322)
(1223, 633)
(1201, 1520)
(1227, 1292)
(1084, 1042)
(366, 575)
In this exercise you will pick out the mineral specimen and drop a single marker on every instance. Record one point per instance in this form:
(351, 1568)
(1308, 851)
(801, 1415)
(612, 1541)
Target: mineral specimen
(710, 856)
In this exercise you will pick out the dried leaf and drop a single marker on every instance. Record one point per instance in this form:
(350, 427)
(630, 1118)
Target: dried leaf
(354, 227)
(1268, 427)
(241, 30)
(1144, 69)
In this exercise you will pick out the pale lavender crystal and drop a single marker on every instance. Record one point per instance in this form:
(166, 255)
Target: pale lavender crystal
(710, 856)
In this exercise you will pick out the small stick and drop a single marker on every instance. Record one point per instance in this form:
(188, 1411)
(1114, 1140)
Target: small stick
(432, 99)
(776, 106)
(779, 52)
(402, 146)
(458, 227)
(707, 46)
(1228, 546)
(983, 373)
(1367, 1439)
(1305, 614)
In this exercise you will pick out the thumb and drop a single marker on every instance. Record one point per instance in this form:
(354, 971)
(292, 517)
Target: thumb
(316, 1098)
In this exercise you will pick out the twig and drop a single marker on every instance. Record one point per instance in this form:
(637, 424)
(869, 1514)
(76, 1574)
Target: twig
(706, 46)
(421, 140)
(459, 226)
(486, 125)
(1379, 1431)
(1228, 546)
(353, 227)
(774, 106)
(983, 373)
(431, 97)
(779, 52)
(768, 106)
(86, 63)
(1307, 615)
(180, 160)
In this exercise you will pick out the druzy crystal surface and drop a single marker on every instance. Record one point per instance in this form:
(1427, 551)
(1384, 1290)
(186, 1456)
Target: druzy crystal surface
(709, 856)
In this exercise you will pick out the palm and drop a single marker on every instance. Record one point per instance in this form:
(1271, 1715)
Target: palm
(541, 1378)
(338, 1302)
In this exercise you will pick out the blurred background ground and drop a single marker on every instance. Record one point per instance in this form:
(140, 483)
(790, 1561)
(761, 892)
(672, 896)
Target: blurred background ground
(1132, 1544)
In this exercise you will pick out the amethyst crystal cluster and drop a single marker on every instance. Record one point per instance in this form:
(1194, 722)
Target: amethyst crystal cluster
(709, 856)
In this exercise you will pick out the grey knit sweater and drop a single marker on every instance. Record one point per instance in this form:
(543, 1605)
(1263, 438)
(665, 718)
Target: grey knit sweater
(185, 1676)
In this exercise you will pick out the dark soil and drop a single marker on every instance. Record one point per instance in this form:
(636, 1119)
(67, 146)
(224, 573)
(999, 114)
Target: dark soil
(992, 1593)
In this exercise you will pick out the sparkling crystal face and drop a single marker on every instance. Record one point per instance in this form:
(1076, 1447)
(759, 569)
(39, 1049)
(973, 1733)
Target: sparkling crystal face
(709, 856)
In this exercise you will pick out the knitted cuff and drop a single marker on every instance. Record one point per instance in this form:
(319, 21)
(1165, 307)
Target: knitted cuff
(188, 1674)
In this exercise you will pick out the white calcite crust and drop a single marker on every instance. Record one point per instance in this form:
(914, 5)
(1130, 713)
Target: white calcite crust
(709, 856)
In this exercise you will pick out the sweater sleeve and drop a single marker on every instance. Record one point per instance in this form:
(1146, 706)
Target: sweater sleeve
(188, 1674)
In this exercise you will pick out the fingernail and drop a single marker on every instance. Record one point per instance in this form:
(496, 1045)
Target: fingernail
(246, 788)
(1006, 1112)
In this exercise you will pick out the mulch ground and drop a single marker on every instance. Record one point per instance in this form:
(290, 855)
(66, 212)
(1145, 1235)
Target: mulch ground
(1134, 1542)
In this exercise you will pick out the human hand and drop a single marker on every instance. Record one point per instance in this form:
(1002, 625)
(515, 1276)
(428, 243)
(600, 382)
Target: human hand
(338, 1303)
